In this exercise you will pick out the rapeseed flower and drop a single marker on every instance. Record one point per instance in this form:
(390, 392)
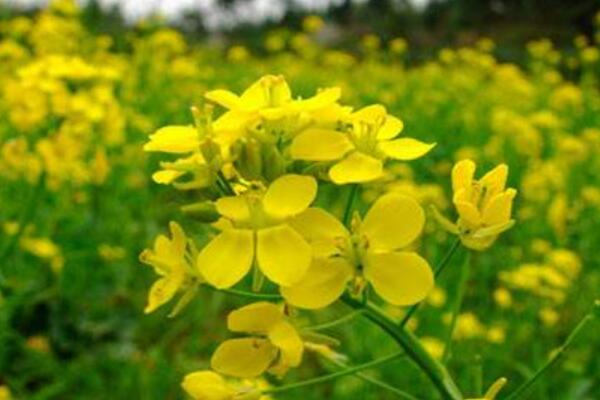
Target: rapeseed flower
(484, 206)
(170, 260)
(359, 151)
(255, 228)
(275, 345)
(374, 251)
(208, 385)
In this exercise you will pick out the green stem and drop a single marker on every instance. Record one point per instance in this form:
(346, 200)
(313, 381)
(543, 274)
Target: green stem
(250, 295)
(435, 371)
(377, 382)
(331, 324)
(518, 392)
(26, 216)
(226, 186)
(350, 204)
(438, 270)
(456, 306)
(335, 375)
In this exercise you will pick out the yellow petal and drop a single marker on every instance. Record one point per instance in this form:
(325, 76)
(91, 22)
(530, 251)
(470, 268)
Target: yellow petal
(467, 211)
(282, 254)
(226, 259)
(324, 283)
(321, 230)
(255, 318)
(499, 208)
(394, 221)
(316, 144)
(400, 278)
(174, 139)
(462, 175)
(371, 113)
(205, 385)
(495, 180)
(322, 99)
(233, 207)
(356, 168)
(243, 358)
(166, 177)
(289, 195)
(179, 240)
(257, 95)
(390, 128)
(163, 290)
(224, 98)
(285, 337)
(280, 92)
(405, 148)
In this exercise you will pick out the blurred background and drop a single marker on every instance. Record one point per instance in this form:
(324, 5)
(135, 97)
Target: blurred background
(82, 85)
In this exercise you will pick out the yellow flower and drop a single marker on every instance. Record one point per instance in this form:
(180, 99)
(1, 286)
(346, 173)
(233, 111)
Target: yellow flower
(208, 385)
(5, 393)
(255, 228)
(484, 206)
(374, 252)
(275, 345)
(359, 153)
(169, 260)
(203, 148)
(267, 106)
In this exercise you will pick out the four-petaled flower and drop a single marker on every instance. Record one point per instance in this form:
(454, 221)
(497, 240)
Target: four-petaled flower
(374, 250)
(255, 228)
(358, 150)
(275, 345)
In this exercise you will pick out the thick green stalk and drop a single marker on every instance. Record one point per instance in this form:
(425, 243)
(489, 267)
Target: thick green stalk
(436, 372)
(335, 375)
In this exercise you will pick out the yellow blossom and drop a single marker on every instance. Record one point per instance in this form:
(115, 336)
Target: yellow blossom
(359, 152)
(169, 260)
(208, 385)
(275, 345)
(374, 251)
(484, 206)
(255, 229)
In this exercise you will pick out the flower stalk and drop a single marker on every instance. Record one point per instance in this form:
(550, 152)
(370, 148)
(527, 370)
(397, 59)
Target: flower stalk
(435, 371)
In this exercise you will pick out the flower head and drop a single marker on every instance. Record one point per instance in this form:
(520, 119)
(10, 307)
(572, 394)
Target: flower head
(255, 229)
(170, 262)
(275, 345)
(358, 151)
(267, 107)
(373, 251)
(484, 206)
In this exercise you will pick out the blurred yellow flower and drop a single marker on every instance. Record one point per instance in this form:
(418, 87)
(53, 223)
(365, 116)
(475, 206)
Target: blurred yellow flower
(275, 345)
(170, 262)
(208, 385)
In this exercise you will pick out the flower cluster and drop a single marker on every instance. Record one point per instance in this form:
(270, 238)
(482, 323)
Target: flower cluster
(257, 171)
